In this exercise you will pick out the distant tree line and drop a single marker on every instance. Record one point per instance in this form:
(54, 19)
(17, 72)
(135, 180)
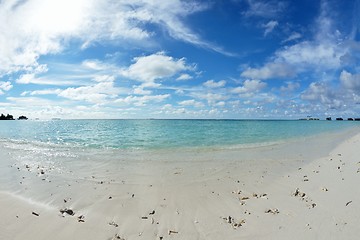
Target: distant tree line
(11, 117)
(7, 117)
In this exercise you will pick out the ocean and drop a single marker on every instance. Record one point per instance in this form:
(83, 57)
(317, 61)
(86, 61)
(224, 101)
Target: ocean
(163, 134)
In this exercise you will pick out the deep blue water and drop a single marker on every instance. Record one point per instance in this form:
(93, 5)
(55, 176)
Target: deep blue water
(164, 134)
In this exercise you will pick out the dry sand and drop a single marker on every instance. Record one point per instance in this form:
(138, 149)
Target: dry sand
(306, 189)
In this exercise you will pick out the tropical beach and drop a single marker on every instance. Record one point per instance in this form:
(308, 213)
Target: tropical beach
(303, 187)
(178, 119)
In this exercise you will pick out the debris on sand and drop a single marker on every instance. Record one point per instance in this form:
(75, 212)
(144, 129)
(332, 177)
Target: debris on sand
(67, 211)
(172, 232)
(234, 223)
(272, 210)
(35, 213)
(81, 218)
(298, 193)
(113, 224)
(117, 236)
(304, 197)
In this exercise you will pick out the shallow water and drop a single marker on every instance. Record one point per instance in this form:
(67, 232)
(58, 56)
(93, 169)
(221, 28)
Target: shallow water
(163, 134)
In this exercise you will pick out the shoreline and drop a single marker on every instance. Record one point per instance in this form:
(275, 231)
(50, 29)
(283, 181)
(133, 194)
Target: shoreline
(159, 135)
(207, 195)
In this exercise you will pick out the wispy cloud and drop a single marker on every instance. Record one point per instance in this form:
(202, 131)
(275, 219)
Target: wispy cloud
(36, 28)
(265, 9)
(355, 21)
(292, 37)
(31, 78)
(269, 27)
(323, 52)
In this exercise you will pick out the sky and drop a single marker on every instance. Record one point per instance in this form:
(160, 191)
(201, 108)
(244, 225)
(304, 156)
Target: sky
(231, 59)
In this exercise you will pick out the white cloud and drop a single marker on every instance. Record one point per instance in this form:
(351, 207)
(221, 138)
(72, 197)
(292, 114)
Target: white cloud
(169, 14)
(104, 78)
(154, 67)
(269, 27)
(322, 53)
(266, 9)
(270, 70)
(350, 81)
(325, 52)
(220, 104)
(304, 56)
(31, 101)
(326, 97)
(191, 102)
(290, 87)
(30, 78)
(140, 91)
(35, 107)
(211, 98)
(150, 85)
(97, 93)
(322, 93)
(33, 28)
(143, 100)
(184, 77)
(249, 86)
(43, 92)
(292, 37)
(167, 107)
(94, 64)
(311, 55)
(5, 86)
(324, 25)
(352, 55)
(26, 78)
(213, 112)
(213, 84)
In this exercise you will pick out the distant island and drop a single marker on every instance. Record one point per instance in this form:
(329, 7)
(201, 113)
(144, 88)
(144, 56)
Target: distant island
(11, 117)
(7, 117)
(309, 118)
(22, 118)
(329, 119)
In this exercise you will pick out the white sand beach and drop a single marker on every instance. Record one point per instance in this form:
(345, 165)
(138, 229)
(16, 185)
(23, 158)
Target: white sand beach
(303, 189)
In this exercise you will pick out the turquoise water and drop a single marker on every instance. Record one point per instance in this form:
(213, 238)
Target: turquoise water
(163, 134)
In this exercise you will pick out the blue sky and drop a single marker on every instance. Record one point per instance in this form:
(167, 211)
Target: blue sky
(180, 59)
